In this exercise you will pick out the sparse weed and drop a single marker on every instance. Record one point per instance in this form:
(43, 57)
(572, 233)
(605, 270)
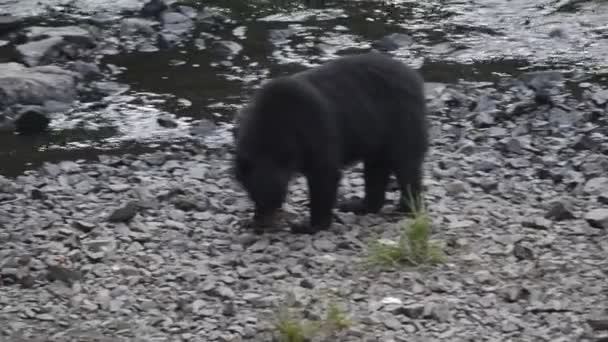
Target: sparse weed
(291, 327)
(336, 320)
(413, 247)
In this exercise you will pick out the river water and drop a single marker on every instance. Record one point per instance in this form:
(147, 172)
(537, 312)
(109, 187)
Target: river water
(450, 41)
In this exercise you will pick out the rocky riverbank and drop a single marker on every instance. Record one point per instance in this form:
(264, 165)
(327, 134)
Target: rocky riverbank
(152, 247)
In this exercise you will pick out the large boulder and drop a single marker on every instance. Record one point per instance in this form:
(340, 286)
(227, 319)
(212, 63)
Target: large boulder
(36, 85)
(46, 45)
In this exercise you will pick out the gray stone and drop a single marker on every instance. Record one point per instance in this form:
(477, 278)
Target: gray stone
(597, 218)
(124, 213)
(35, 86)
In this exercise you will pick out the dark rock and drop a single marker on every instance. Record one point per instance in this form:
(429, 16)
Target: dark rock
(7, 124)
(412, 311)
(203, 128)
(229, 309)
(34, 86)
(560, 210)
(211, 21)
(166, 121)
(597, 218)
(62, 273)
(124, 213)
(153, 8)
(307, 284)
(585, 142)
(31, 121)
(393, 41)
(598, 323)
(522, 252)
(184, 203)
(167, 40)
(9, 23)
(86, 70)
(557, 32)
(515, 293)
(37, 194)
(226, 48)
(543, 97)
(603, 198)
(16, 275)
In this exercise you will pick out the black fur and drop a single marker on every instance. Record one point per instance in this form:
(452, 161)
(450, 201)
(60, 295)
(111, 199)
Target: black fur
(367, 107)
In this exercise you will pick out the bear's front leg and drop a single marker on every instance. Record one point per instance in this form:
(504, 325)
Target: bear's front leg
(322, 190)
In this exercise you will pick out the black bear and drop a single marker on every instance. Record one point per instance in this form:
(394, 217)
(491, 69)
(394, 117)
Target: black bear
(367, 107)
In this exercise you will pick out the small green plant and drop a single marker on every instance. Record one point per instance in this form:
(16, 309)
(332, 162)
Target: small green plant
(413, 247)
(291, 327)
(336, 319)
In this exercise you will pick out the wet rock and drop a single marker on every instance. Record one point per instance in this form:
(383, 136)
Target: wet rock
(166, 121)
(35, 86)
(176, 23)
(167, 40)
(153, 8)
(226, 48)
(597, 218)
(9, 23)
(137, 26)
(124, 213)
(51, 44)
(41, 51)
(87, 70)
(393, 41)
(211, 20)
(31, 121)
(203, 128)
(538, 80)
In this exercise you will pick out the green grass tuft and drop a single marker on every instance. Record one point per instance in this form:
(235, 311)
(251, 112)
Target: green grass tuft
(291, 327)
(414, 246)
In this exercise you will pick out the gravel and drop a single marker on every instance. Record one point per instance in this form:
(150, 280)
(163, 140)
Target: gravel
(154, 247)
